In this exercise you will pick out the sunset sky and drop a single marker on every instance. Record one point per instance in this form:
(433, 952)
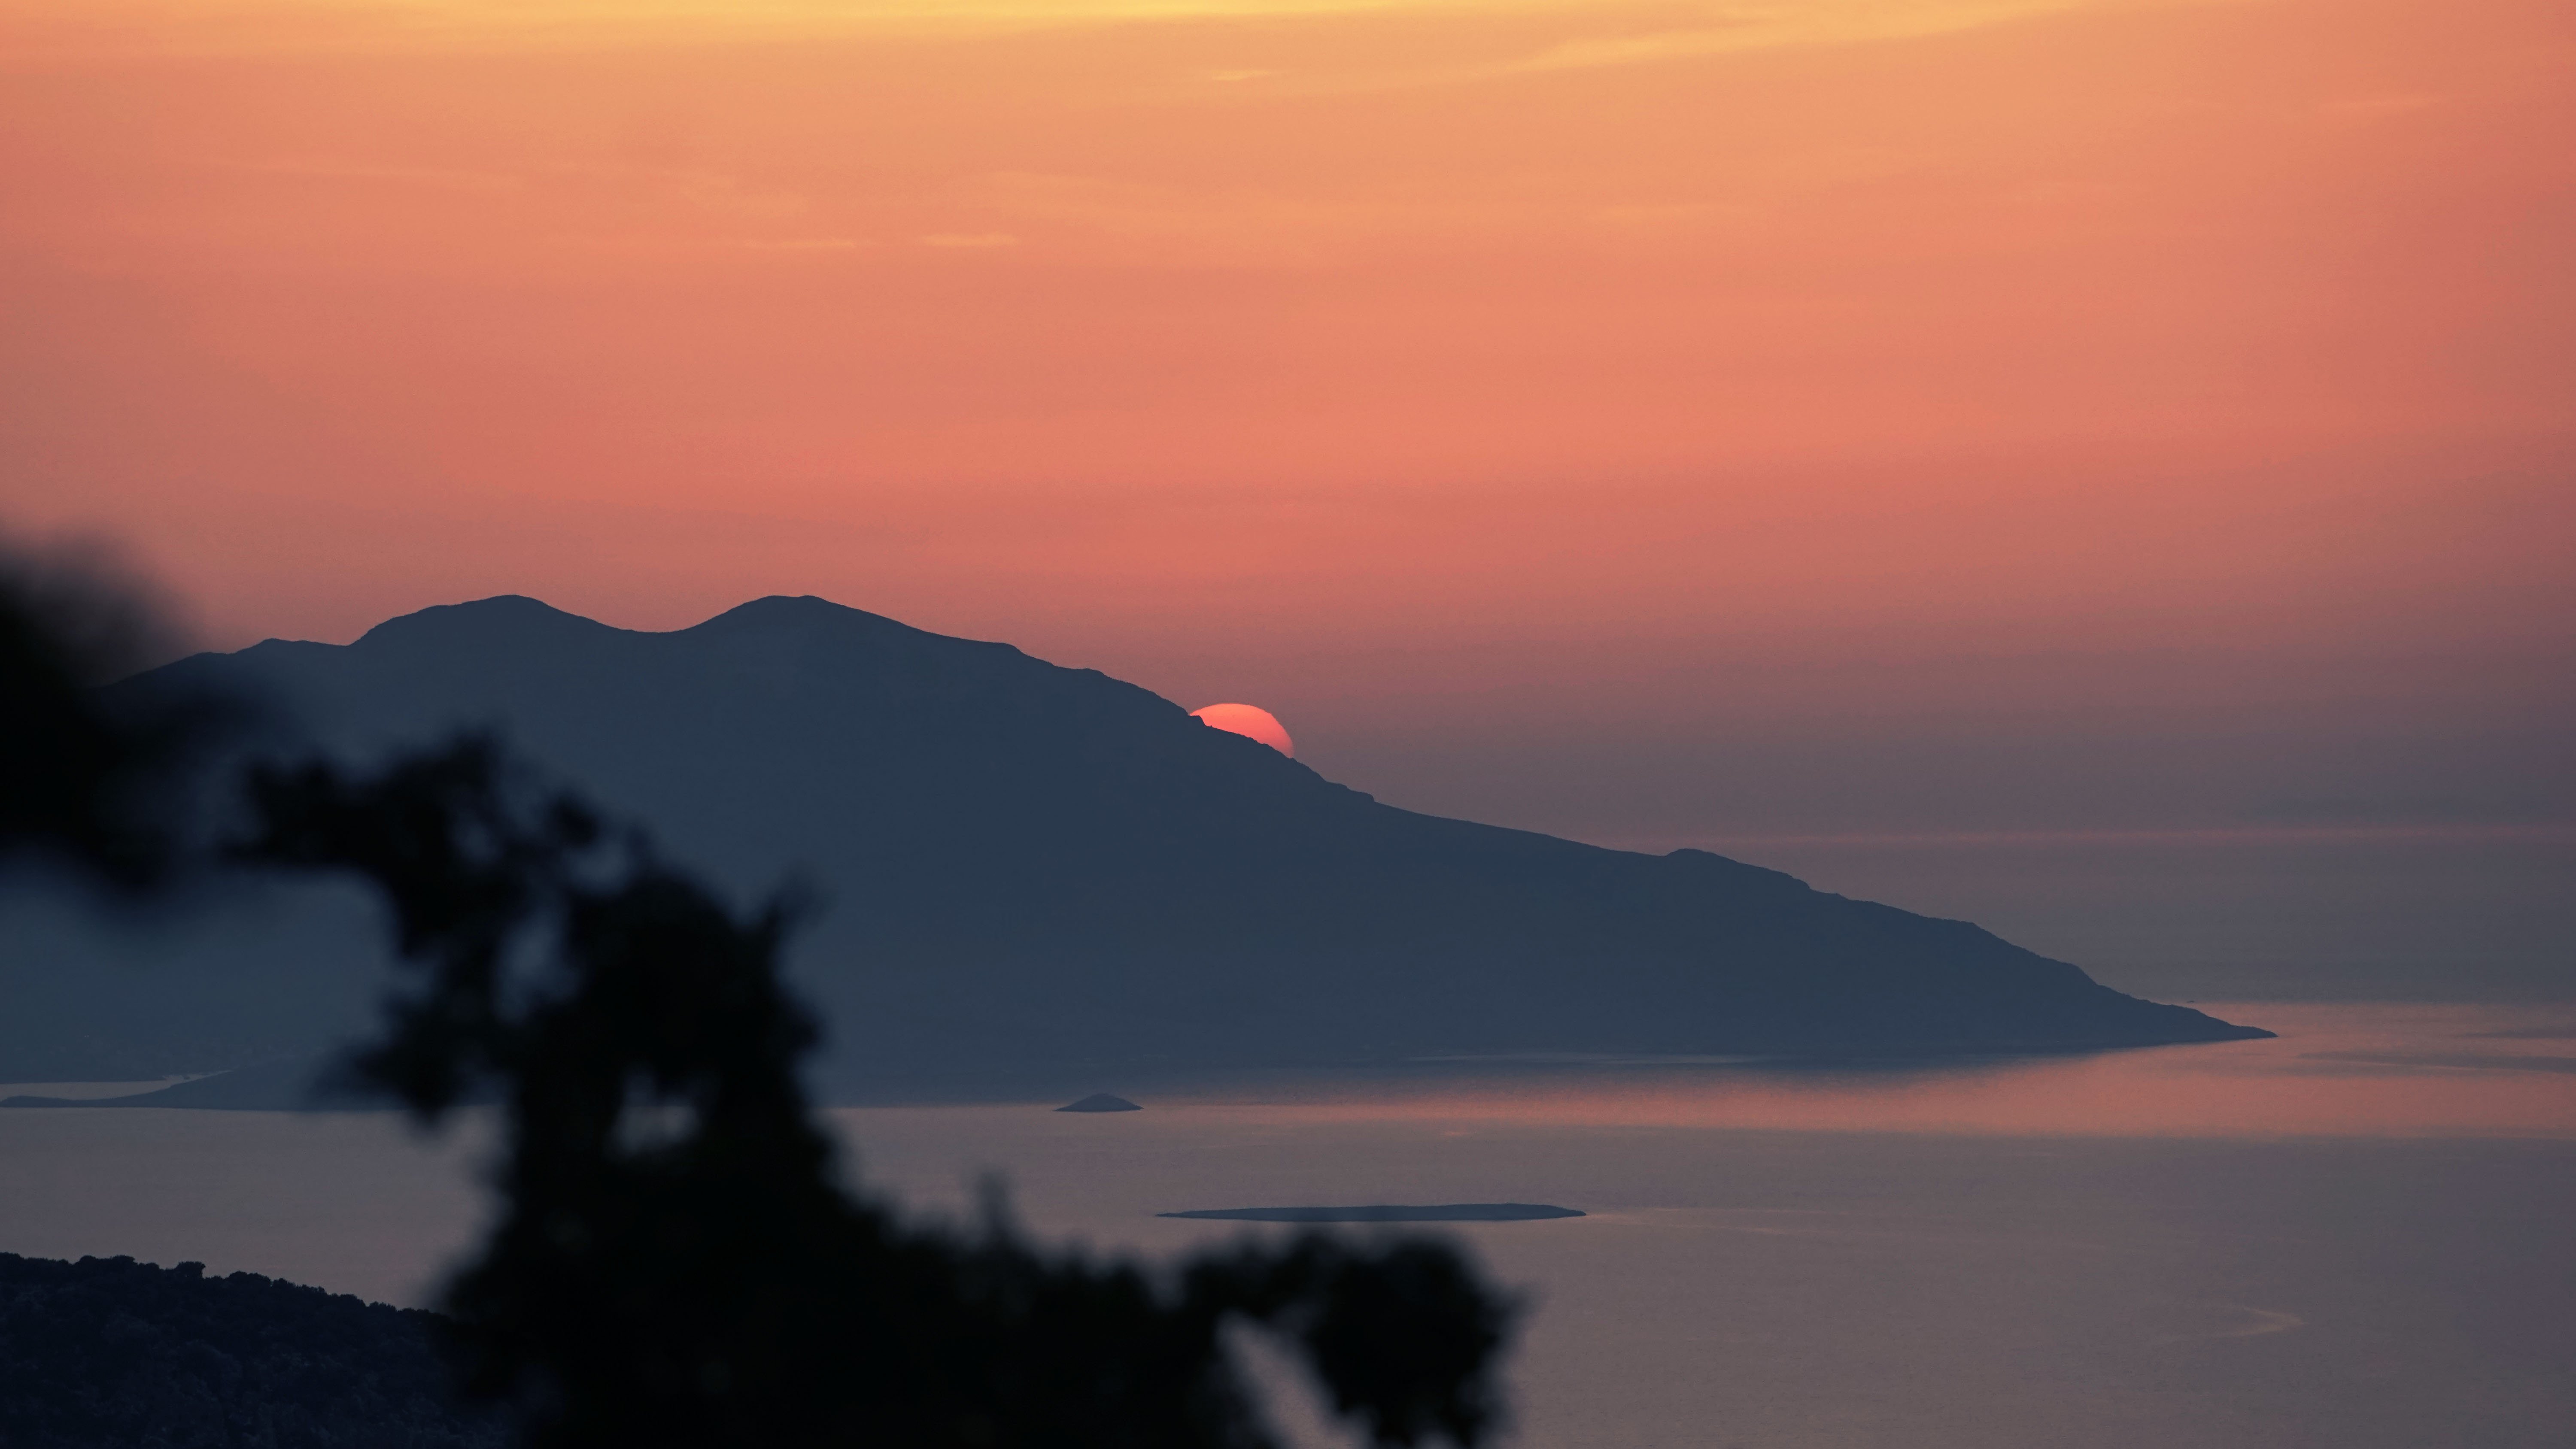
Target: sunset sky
(1824, 426)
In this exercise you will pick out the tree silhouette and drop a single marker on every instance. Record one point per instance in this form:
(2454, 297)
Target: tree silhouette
(675, 1263)
(96, 785)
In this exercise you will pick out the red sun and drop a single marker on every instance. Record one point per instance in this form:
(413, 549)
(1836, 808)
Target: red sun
(1249, 720)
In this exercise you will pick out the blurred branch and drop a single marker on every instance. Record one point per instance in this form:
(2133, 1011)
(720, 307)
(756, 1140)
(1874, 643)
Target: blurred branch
(97, 781)
(675, 1263)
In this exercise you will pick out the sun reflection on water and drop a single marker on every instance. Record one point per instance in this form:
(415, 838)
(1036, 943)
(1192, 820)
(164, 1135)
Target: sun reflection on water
(2340, 1070)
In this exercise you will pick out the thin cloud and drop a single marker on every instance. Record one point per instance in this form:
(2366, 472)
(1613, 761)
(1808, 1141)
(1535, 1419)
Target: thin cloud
(56, 29)
(1795, 23)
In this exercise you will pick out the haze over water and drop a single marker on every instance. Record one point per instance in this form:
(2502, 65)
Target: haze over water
(2352, 1235)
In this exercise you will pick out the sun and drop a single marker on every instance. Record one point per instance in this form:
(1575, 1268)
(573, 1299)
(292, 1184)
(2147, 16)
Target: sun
(1250, 720)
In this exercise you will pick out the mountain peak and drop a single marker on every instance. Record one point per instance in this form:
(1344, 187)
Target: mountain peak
(796, 614)
(811, 620)
(798, 606)
(503, 616)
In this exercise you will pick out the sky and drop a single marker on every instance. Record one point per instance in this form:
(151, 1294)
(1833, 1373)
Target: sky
(2098, 467)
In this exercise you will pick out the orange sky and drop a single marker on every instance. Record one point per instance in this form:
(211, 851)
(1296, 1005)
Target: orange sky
(1644, 420)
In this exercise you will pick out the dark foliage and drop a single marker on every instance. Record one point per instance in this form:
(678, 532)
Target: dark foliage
(118, 1353)
(85, 777)
(676, 1264)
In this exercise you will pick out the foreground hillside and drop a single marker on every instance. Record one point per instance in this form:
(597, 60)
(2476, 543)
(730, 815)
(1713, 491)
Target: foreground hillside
(105, 1353)
(1028, 868)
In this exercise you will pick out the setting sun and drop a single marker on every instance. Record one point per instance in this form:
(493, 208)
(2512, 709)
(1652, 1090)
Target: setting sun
(1250, 721)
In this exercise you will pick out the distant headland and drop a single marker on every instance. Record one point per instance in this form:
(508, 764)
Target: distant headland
(1035, 872)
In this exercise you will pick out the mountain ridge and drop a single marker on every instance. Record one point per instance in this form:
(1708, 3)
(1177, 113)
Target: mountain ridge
(1030, 864)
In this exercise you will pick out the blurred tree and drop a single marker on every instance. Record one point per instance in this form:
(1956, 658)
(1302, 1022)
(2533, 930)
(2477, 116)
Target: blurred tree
(98, 787)
(675, 1263)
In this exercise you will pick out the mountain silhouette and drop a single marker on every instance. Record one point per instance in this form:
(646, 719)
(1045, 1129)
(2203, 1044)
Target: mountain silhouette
(1030, 868)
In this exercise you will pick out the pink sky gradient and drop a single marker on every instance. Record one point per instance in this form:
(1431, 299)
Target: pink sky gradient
(1651, 421)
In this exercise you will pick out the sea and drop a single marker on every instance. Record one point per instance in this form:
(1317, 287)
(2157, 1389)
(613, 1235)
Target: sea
(2359, 1234)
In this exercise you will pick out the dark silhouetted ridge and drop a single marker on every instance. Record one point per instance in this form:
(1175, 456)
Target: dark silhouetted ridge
(1037, 874)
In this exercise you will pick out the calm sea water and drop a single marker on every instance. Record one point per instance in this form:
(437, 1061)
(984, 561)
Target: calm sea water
(2357, 1235)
